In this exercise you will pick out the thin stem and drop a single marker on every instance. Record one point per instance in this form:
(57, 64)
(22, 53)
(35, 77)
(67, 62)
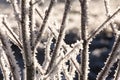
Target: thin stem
(107, 8)
(47, 52)
(60, 37)
(77, 68)
(110, 61)
(84, 54)
(31, 22)
(39, 14)
(41, 31)
(12, 33)
(67, 56)
(15, 9)
(3, 62)
(27, 55)
(102, 25)
(37, 1)
(9, 54)
(23, 25)
(117, 74)
(53, 30)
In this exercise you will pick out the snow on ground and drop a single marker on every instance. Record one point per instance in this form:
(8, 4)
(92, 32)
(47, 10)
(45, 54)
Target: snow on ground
(96, 15)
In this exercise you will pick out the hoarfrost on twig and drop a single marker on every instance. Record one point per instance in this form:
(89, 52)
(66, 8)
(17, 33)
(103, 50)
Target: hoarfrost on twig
(10, 56)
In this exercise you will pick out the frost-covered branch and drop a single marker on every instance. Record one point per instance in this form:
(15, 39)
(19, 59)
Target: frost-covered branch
(3, 62)
(107, 8)
(16, 10)
(84, 51)
(68, 55)
(54, 31)
(60, 37)
(59, 60)
(27, 53)
(102, 25)
(47, 52)
(114, 55)
(117, 72)
(31, 22)
(42, 29)
(38, 1)
(11, 58)
(12, 33)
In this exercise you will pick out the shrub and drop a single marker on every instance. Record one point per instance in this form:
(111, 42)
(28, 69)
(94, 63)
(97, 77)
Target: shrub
(58, 58)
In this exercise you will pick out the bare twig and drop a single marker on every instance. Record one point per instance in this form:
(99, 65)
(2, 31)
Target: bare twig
(27, 54)
(60, 37)
(12, 33)
(15, 9)
(41, 31)
(67, 56)
(39, 13)
(77, 68)
(37, 1)
(31, 22)
(84, 54)
(102, 25)
(3, 62)
(117, 74)
(107, 8)
(114, 55)
(47, 52)
(11, 58)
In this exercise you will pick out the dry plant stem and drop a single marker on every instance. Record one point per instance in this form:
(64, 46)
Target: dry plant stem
(15, 9)
(31, 22)
(106, 2)
(32, 36)
(3, 69)
(32, 41)
(29, 64)
(66, 57)
(9, 55)
(107, 8)
(37, 1)
(54, 31)
(110, 61)
(12, 33)
(117, 74)
(16, 13)
(64, 47)
(42, 29)
(47, 52)
(60, 37)
(77, 68)
(102, 25)
(51, 29)
(84, 54)
(39, 13)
